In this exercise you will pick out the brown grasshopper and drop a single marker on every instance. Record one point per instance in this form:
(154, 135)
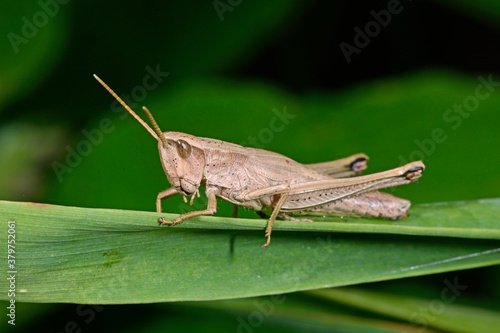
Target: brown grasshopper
(269, 182)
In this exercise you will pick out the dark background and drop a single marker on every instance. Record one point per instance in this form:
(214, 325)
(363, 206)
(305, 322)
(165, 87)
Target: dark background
(227, 72)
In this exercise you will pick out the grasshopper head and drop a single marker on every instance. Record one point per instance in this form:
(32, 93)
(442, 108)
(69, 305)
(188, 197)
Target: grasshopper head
(183, 161)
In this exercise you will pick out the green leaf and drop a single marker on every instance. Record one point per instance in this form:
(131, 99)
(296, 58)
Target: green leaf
(78, 255)
(282, 313)
(438, 313)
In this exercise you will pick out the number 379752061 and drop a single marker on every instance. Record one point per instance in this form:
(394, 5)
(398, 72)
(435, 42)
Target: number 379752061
(269, 182)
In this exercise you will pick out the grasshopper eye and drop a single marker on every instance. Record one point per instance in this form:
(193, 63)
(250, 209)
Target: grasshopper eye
(183, 148)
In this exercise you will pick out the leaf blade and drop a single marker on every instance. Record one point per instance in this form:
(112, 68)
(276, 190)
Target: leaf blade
(77, 255)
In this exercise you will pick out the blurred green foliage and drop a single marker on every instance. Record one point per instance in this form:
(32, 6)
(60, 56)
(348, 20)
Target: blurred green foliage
(226, 76)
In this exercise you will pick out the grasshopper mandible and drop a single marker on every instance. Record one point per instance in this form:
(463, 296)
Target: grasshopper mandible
(269, 182)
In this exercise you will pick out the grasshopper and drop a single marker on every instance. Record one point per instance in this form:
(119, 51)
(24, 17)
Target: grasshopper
(271, 183)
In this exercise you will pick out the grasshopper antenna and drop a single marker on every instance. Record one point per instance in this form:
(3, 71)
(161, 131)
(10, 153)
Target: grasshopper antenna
(158, 135)
(156, 127)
